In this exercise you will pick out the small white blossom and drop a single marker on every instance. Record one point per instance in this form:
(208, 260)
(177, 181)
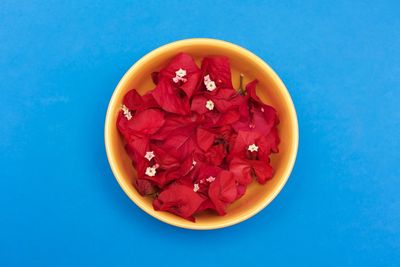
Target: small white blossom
(193, 164)
(180, 73)
(124, 108)
(196, 187)
(210, 179)
(127, 113)
(201, 181)
(209, 105)
(211, 86)
(176, 79)
(262, 109)
(253, 148)
(179, 76)
(151, 171)
(149, 155)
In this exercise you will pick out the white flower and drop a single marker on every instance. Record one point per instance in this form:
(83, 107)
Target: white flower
(176, 79)
(262, 109)
(210, 105)
(124, 109)
(127, 113)
(149, 155)
(193, 164)
(196, 187)
(151, 171)
(180, 73)
(211, 86)
(210, 179)
(253, 148)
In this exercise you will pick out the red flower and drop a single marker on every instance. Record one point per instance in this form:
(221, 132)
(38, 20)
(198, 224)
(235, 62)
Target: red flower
(146, 122)
(222, 191)
(133, 101)
(205, 139)
(199, 105)
(144, 187)
(259, 116)
(226, 99)
(215, 155)
(174, 89)
(250, 156)
(184, 62)
(243, 140)
(136, 150)
(180, 200)
(219, 70)
(244, 170)
(177, 136)
(171, 98)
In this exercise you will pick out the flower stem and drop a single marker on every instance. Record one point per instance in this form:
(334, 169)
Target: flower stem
(241, 90)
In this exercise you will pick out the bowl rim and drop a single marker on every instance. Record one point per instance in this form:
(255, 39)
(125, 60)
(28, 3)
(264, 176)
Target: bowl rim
(237, 49)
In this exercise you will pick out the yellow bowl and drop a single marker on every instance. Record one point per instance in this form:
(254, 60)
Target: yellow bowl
(270, 89)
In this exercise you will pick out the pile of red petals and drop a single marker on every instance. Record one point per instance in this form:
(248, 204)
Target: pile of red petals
(195, 141)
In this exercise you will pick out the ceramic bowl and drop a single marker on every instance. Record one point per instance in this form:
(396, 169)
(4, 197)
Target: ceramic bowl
(270, 89)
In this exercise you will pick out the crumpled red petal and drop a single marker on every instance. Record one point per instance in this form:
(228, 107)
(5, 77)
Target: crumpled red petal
(223, 191)
(171, 98)
(218, 67)
(180, 200)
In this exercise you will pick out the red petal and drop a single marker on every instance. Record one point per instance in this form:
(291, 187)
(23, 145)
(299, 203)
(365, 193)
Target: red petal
(164, 158)
(241, 190)
(268, 144)
(134, 101)
(205, 139)
(218, 67)
(207, 204)
(226, 99)
(144, 187)
(214, 156)
(147, 121)
(262, 170)
(222, 191)
(190, 85)
(199, 104)
(251, 90)
(154, 77)
(175, 124)
(187, 63)
(170, 98)
(181, 61)
(242, 142)
(241, 170)
(180, 200)
(228, 117)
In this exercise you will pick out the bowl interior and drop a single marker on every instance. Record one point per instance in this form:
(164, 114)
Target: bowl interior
(270, 89)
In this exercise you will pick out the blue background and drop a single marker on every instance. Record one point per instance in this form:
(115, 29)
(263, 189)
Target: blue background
(59, 202)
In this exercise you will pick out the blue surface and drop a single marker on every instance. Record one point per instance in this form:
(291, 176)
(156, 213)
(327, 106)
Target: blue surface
(59, 202)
